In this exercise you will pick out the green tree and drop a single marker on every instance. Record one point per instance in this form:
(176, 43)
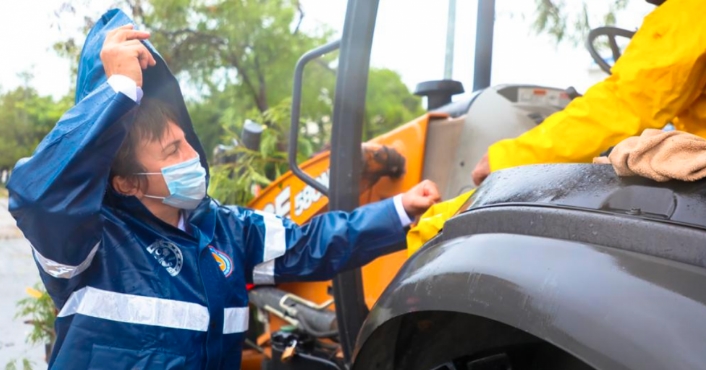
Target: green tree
(571, 21)
(237, 55)
(246, 47)
(388, 103)
(25, 118)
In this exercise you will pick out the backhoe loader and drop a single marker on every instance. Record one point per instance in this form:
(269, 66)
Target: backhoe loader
(544, 267)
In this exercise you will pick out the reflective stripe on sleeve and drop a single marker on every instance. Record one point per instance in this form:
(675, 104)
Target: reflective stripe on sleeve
(61, 271)
(275, 246)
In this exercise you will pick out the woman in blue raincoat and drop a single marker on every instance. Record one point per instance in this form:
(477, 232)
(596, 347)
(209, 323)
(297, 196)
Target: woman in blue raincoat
(148, 272)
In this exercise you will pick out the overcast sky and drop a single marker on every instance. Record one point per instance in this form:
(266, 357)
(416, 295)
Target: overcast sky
(410, 39)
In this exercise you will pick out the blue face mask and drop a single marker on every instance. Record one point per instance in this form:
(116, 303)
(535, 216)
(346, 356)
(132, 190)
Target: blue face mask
(186, 182)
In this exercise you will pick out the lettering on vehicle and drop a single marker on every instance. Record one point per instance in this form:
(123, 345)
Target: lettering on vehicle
(308, 196)
(281, 205)
(301, 201)
(168, 255)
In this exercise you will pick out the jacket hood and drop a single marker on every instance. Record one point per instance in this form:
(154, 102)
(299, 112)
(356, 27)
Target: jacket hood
(158, 81)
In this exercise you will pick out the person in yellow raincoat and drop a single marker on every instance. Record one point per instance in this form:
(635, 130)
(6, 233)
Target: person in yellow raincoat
(660, 78)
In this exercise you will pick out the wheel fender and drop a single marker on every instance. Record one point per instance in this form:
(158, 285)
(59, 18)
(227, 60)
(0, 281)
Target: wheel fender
(611, 308)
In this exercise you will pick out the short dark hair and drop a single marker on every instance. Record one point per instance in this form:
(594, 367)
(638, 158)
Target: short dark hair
(150, 123)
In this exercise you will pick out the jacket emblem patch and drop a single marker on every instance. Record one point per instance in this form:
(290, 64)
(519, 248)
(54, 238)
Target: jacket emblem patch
(223, 260)
(168, 255)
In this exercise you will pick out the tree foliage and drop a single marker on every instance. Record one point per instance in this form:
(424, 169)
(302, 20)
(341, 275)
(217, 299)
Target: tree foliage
(572, 20)
(25, 118)
(249, 45)
(13, 364)
(40, 312)
(388, 103)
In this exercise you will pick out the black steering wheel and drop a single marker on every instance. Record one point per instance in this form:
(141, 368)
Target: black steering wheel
(612, 33)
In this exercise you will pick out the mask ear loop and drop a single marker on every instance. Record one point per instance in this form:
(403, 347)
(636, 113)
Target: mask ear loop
(147, 195)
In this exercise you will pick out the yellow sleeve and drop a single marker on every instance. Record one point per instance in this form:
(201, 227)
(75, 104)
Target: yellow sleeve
(661, 73)
(693, 119)
(433, 220)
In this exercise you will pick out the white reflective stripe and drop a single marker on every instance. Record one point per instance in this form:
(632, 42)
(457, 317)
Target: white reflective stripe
(264, 273)
(275, 246)
(135, 309)
(62, 271)
(235, 320)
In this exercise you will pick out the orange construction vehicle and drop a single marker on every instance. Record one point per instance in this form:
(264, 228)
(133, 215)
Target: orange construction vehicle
(562, 266)
(441, 145)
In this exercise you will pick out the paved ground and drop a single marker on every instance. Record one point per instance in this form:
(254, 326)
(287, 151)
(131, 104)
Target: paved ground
(17, 271)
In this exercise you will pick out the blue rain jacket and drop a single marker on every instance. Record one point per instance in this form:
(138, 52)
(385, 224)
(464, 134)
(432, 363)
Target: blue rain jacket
(137, 293)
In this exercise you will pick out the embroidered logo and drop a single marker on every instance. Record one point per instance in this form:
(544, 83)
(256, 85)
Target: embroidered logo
(168, 255)
(223, 260)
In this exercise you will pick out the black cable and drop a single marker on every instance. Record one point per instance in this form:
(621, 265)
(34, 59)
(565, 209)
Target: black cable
(314, 332)
(254, 346)
(319, 360)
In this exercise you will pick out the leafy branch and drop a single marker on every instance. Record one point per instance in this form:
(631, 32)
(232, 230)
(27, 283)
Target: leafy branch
(573, 20)
(39, 311)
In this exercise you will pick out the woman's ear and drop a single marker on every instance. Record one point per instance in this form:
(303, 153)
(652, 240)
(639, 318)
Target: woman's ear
(127, 186)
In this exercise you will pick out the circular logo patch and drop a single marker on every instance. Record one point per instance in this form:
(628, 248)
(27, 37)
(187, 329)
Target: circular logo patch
(223, 260)
(168, 255)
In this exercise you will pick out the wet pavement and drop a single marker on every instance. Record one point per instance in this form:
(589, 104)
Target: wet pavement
(17, 272)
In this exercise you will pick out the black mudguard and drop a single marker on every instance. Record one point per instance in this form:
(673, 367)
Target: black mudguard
(611, 308)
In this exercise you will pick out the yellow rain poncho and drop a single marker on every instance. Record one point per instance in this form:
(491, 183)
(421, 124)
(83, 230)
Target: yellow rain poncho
(432, 221)
(660, 76)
